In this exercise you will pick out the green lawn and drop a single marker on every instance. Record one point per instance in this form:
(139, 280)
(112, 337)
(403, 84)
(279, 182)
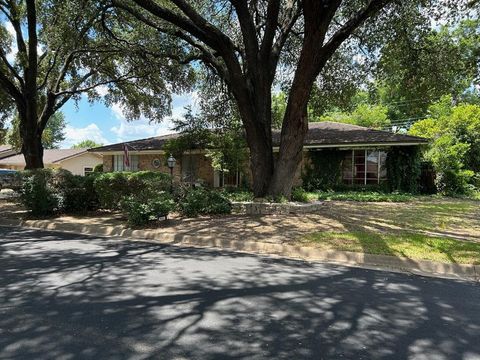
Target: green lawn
(364, 196)
(412, 246)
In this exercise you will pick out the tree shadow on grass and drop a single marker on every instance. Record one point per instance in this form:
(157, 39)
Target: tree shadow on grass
(77, 298)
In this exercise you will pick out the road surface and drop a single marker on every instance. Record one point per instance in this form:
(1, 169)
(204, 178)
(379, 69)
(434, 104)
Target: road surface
(70, 297)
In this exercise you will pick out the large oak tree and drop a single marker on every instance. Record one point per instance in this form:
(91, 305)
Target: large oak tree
(244, 43)
(54, 51)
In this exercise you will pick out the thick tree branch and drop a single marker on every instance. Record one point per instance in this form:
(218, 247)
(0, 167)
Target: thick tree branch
(372, 8)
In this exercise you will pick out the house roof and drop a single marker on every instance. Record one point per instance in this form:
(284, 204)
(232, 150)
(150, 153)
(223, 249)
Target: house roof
(50, 156)
(319, 134)
(4, 148)
(333, 133)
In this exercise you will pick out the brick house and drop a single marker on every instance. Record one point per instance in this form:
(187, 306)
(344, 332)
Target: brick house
(364, 154)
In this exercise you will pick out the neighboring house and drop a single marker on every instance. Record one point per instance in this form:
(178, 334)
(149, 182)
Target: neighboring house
(6, 150)
(77, 161)
(364, 154)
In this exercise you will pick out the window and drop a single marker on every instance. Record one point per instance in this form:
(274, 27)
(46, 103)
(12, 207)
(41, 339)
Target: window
(87, 171)
(364, 167)
(119, 164)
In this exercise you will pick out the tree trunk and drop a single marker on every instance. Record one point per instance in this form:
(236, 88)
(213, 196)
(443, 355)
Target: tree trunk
(32, 150)
(31, 137)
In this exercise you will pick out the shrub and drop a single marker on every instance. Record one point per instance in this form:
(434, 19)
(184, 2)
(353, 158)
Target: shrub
(202, 201)
(150, 182)
(237, 194)
(51, 191)
(111, 188)
(300, 195)
(80, 196)
(37, 194)
(98, 168)
(140, 211)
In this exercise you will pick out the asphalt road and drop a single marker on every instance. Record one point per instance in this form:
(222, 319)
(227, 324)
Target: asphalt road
(69, 297)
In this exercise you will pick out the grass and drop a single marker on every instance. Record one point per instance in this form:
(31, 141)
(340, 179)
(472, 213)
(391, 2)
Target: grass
(403, 244)
(365, 196)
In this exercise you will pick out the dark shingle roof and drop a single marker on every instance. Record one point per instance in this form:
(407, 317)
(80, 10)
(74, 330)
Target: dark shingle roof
(324, 133)
(333, 133)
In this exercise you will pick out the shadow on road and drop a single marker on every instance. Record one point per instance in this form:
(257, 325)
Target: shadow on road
(79, 298)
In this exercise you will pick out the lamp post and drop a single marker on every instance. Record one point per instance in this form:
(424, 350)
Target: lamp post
(171, 162)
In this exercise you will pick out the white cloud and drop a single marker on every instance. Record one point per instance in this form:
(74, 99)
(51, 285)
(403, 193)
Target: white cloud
(74, 135)
(143, 128)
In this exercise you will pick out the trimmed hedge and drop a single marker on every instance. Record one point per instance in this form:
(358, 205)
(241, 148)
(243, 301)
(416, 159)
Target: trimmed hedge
(201, 201)
(113, 187)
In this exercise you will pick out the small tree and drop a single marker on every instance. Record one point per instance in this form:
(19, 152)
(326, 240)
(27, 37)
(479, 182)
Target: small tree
(86, 144)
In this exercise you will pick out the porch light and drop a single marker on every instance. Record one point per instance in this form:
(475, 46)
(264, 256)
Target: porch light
(171, 162)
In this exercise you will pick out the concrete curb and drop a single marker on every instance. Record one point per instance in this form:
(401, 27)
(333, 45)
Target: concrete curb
(418, 267)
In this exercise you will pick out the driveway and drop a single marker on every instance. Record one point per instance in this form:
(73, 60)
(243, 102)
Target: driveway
(69, 297)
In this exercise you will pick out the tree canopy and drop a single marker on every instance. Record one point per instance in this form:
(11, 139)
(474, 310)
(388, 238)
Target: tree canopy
(54, 51)
(86, 144)
(455, 147)
(52, 136)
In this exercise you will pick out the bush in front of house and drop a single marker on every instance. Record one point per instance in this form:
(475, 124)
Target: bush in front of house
(37, 194)
(46, 192)
(201, 201)
(113, 187)
(141, 211)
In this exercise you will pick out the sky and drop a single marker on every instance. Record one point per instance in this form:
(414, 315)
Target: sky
(108, 125)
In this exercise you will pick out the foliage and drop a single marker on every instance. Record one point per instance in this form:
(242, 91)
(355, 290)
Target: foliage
(420, 64)
(323, 170)
(371, 116)
(46, 192)
(37, 194)
(279, 105)
(76, 193)
(86, 144)
(142, 211)
(454, 150)
(55, 57)
(220, 134)
(300, 195)
(201, 201)
(52, 136)
(113, 187)
(364, 196)
(404, 168)
(98, 168)
(238, 195)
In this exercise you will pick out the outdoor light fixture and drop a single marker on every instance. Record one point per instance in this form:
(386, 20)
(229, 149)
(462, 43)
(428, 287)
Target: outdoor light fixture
(171, 162)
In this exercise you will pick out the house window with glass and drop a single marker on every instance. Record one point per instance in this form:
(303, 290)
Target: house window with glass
(364, 167)
(119, 163)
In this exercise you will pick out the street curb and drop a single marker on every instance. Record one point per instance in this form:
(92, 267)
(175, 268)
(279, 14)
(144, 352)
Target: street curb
(418, 267)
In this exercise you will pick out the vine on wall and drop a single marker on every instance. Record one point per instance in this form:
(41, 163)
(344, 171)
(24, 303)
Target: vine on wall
(323, 170)
(404, 168)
